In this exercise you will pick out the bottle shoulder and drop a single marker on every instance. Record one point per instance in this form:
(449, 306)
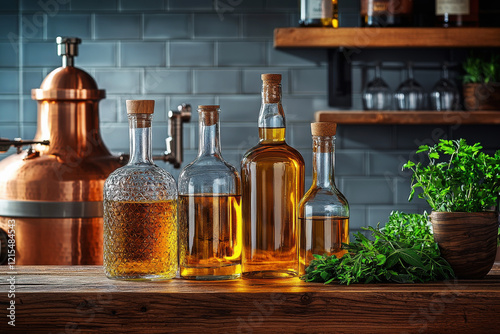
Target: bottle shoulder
(209, 175)
(324, 201)
(143, 182)
(272, 152)
(208, 166)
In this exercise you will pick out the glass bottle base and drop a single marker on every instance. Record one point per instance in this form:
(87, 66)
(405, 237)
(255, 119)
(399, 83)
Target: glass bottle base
(270, 274)
(212, 277)
(226, 272)
(142, 277)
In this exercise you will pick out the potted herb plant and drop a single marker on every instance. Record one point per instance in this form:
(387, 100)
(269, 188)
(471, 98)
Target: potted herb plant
(481, 83)
(462, 185)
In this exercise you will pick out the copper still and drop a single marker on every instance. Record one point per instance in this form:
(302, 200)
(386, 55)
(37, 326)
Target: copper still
(53, 191)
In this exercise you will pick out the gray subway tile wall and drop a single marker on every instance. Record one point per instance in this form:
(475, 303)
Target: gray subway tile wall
(206, 52)
(143, 54)
(72, 25)
(192, 53)
(167, 26)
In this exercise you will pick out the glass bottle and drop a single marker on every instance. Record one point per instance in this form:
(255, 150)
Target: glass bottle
(386, 13)
(323, 211)
(457, 13)
(140, 209)
(444, 95)
(272, 176)
(319, 13)
(377, 95)
(209, 209)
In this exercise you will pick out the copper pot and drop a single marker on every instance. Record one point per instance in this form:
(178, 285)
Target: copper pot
(54, 192)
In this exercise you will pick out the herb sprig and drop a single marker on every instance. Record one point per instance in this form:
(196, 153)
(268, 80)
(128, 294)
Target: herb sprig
(403, 251)
(467, 181)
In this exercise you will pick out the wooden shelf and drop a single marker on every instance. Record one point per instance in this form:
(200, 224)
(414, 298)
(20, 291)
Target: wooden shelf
(409, 117)
(386, 37)
(57, 298)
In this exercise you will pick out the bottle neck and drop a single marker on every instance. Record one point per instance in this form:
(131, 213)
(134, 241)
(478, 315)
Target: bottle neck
(140, 139)
(323, 162)
(271, 117)
(209, 133)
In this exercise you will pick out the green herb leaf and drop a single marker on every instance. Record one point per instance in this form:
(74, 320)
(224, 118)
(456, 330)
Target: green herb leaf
(403, 251)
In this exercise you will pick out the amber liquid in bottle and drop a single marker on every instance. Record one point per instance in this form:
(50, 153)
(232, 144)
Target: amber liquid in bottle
(272, 175)
(212, 242)
(129, 228)
(322, 235)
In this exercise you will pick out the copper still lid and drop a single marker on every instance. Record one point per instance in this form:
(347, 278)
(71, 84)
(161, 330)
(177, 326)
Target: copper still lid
(68, 82)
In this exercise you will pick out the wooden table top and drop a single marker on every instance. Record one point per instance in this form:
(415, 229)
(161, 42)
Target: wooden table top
(80, 299)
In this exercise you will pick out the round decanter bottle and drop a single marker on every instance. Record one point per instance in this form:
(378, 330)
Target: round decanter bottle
(140, 209)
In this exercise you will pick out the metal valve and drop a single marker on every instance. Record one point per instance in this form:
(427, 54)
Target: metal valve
(67, 47)
(174, 151)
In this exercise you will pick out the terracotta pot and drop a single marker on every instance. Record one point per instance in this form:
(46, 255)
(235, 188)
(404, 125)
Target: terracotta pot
(482, 96)
(467, 240)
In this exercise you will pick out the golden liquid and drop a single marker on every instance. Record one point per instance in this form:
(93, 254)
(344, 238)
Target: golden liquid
(321, 235)
(140, 239)
(273, 183)
(210, 236)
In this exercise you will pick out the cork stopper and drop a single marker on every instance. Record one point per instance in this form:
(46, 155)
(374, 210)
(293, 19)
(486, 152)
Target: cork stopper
(324, 129)
(269, 77)
(140, 106)
(209, 114)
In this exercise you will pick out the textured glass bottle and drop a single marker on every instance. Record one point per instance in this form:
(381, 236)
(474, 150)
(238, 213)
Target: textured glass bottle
(210, 209)
(323, 211)
(140, 209)
(272, 176)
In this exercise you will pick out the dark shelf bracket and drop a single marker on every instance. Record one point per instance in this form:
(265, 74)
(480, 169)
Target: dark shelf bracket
(339, 79)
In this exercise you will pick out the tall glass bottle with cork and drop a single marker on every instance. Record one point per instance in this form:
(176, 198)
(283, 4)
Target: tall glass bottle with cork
(323, 211)
(273, 182)
(210, 208)
(140, 209)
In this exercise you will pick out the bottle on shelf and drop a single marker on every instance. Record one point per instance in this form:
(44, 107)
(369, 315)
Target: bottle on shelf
(377, 95)
(323, 211)
(209, 208)
(272, 176)
(387, 13)
(457, 13)
(140, 209)
(319, 13)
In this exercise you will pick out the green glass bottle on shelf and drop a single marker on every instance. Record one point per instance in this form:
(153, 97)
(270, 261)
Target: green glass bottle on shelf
(140, 209)
(272, 176)
(323, 211)
(209, 208)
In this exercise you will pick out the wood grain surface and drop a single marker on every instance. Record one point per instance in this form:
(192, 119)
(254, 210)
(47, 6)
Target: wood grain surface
(467, 240)
(408, 117)
(79, 299)
(386, 37)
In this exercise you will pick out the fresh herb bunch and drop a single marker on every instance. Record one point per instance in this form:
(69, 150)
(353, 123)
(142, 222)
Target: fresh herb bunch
(480, 70)
(468, 181)
(403, 251)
